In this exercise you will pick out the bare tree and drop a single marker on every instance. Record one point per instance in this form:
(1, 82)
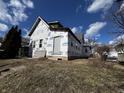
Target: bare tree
(118, 14)
(102, 50)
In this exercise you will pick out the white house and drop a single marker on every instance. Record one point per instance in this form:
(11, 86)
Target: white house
(53, 40)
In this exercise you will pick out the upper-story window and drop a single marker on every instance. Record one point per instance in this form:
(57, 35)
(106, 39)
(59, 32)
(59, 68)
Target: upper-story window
(40, 44)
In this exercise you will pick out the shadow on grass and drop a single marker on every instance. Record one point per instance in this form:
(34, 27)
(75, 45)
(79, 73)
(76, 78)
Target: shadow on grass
(121, 63)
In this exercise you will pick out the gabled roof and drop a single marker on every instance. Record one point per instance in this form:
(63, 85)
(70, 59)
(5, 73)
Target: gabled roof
(54, 26)
(36, 24)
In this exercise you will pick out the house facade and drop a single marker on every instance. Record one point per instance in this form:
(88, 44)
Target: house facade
(53, 40)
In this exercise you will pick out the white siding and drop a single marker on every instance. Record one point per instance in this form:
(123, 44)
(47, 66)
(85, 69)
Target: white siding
(63, 43)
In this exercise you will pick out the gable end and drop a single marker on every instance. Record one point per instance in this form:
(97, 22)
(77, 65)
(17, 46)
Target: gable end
(36, 24)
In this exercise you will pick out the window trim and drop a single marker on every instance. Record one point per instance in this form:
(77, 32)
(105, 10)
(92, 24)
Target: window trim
(41, 43)
(33, 44)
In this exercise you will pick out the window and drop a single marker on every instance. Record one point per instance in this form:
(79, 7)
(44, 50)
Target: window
(76, 46)
(40, 44)
(90, 47)
(79, 48)
(33, 44)
(72, 44)
(86, 50)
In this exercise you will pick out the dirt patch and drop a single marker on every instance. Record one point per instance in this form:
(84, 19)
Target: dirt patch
(18, 68)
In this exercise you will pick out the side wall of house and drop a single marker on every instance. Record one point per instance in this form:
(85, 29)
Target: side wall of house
(74, 47)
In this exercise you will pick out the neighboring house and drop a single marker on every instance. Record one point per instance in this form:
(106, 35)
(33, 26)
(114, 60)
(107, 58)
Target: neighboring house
(112, 54)
(53, 40)
(1, 39)
(24, 50)
(86, 51)
(120, 49)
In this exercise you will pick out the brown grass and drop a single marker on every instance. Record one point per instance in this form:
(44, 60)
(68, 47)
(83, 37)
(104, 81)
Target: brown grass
(77, 76)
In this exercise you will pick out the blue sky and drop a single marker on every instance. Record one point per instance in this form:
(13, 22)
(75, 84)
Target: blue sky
(79, 15)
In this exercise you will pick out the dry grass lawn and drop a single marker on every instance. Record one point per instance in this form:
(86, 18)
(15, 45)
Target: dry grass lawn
(47, 76)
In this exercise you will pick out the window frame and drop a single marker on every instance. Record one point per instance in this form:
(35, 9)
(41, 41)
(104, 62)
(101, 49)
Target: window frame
(72, 45)
(41, 43)
(33, 44)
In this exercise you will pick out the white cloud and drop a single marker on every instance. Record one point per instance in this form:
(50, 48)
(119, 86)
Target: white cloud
(117, 40)
(111, 42)
(26, 32)
(77, 29)
(4, 15)
(19, 15)
(16, 3)
(13, 12)
(78, 32)
(28, 3)
(94, 29)
(97, 36)
(98, 5)
(78, 8)
(3, 27)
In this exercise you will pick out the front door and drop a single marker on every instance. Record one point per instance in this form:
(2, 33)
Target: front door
(56, 45)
